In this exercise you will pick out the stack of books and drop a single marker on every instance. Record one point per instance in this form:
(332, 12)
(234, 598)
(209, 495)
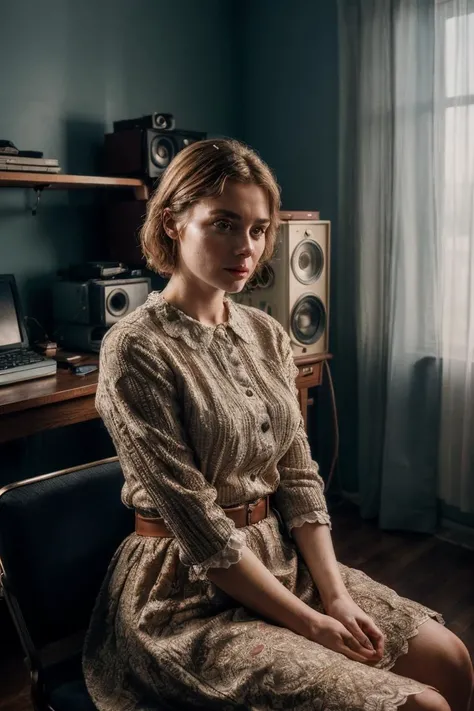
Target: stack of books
(29, 165)
(12, 159)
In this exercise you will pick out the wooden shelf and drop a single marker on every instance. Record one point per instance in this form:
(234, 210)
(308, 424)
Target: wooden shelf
(57, 181)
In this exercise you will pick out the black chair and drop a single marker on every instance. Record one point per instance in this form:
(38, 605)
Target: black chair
(58, 533)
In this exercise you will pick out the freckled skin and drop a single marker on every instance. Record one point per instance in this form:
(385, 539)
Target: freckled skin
(211, 240)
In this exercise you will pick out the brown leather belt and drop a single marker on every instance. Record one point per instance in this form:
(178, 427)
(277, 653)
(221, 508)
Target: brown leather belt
(244, 515)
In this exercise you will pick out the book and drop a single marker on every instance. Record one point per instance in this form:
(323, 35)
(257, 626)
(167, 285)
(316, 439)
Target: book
(8, 167)
(31, 154)
(18, 160)
(8, 148)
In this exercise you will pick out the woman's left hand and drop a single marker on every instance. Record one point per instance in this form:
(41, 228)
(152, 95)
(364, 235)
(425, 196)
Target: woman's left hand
(359, 624)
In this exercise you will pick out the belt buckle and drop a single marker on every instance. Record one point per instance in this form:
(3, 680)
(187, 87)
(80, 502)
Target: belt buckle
(250, 508)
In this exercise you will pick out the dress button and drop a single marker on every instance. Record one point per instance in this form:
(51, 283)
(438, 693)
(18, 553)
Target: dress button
(265, 426)
(249, 392)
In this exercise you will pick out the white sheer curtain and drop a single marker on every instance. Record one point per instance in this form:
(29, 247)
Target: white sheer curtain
(404, 264)
(387, 263)
(455, 115)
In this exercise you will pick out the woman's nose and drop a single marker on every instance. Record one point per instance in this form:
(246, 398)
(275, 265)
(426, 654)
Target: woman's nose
(246, 249)
(246, 244)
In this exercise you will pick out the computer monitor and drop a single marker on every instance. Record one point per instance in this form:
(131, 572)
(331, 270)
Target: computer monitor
(12, 327)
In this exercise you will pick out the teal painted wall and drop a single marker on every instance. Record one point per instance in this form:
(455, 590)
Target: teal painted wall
(290, 87)
(68, 70)
(290, 107)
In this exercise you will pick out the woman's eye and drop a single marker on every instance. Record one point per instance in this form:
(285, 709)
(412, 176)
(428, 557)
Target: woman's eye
(223, 225)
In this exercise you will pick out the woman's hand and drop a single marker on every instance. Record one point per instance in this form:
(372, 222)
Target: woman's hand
(361, 627)
(332, 634)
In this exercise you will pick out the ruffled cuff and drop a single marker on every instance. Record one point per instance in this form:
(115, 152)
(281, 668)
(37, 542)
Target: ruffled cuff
(310, 517)
(229, 555)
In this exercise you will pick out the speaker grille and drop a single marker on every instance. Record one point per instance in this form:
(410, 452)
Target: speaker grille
(162, 151)
(307, 261)
(117, 302)
(308, 319)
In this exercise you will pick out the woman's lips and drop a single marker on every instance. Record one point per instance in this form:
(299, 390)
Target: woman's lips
(238, 272)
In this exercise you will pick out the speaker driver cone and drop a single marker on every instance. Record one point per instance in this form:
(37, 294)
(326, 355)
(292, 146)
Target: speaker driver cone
(308, 319)
(117, 302)
(307, 261)
(162, 151)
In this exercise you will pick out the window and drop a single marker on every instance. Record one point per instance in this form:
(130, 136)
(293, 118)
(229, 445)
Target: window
(457, 266)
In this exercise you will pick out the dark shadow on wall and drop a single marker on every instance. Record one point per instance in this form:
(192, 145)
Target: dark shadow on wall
(84, 139)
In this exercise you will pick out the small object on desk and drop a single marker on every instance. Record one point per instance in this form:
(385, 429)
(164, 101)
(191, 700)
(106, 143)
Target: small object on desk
(47, 348)
(83, 369)
(65, 364)
(96, 270)
(66, 357)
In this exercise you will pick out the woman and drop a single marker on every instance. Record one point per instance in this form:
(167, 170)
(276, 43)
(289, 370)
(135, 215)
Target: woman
(213, 603)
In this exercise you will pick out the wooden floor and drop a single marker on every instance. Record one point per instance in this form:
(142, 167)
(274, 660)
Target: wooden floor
(434, 572)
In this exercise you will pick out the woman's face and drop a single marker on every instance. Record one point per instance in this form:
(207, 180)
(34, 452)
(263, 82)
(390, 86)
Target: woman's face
(224, 233)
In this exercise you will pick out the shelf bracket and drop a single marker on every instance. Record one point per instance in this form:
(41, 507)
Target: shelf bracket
(38, 190)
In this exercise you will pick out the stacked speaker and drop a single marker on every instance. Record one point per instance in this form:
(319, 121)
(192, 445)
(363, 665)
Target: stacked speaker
(144, 147)
(294, 285)
(141, 148)
(85, 310)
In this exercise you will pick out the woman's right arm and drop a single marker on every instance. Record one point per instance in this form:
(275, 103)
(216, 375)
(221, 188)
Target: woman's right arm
(255, 587)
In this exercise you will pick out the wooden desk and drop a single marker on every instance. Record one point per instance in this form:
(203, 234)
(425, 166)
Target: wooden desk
(66, 399)
(47, 403)
(310, 375)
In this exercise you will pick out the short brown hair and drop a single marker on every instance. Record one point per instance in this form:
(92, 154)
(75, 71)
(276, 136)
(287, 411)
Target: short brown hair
(197, 172)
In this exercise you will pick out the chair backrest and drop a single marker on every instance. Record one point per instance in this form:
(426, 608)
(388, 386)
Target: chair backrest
(58, 533)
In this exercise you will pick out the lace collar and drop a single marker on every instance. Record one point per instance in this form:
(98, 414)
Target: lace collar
(178, 324)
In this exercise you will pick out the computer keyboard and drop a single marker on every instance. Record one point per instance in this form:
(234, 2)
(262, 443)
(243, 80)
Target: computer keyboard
(13, 359)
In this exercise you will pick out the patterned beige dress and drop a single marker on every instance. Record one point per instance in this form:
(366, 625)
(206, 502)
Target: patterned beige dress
(203, 417)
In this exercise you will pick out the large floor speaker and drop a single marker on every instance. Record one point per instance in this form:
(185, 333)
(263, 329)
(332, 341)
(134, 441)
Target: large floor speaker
(144, 152)
(294, 286)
